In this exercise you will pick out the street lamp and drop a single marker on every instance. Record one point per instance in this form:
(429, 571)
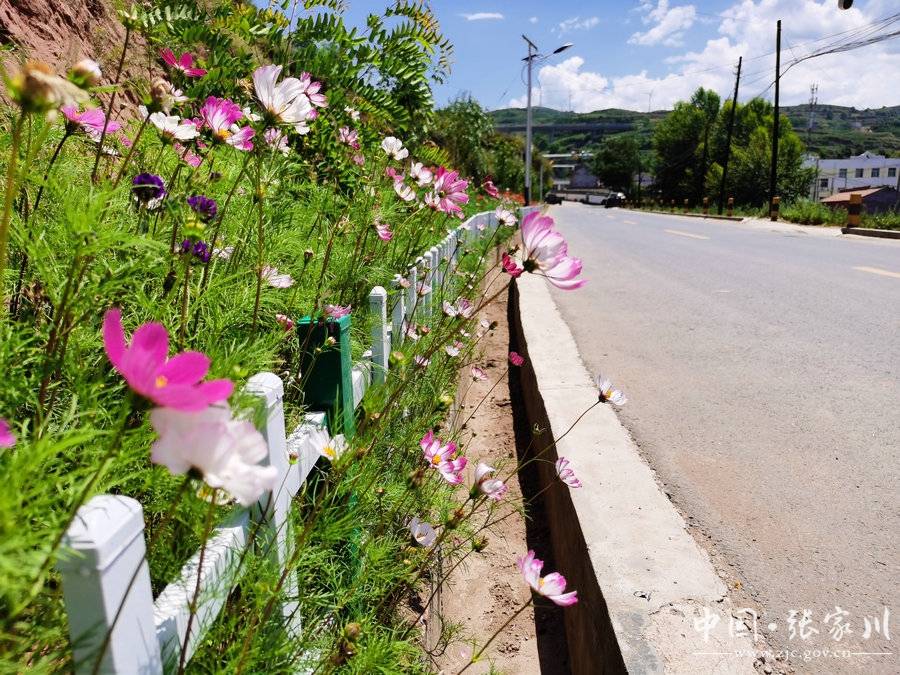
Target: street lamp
(533, 54)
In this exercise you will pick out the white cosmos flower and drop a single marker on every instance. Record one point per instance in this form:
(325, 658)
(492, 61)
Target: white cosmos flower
(506, 217)
(284, 101)
(226, 451)
(403, 191)
(422, 533)
(171, 127)
(494, 488)
(394, 148)
(607, 393)
(328, 447)
(354, 114)
(420, 173)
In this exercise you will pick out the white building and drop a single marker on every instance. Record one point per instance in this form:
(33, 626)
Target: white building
(865, 170)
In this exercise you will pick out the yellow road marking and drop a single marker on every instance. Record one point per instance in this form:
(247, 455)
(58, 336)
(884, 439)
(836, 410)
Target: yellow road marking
(875, 270)
(687, 234)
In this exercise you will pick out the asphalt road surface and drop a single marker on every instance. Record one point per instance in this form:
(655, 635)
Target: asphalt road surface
(762, 366)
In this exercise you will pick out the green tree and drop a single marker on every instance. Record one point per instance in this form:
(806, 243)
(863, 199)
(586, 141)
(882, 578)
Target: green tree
(464, 130)
(617, 161)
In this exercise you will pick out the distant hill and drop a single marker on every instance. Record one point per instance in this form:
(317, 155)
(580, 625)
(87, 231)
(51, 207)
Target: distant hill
(837, 131)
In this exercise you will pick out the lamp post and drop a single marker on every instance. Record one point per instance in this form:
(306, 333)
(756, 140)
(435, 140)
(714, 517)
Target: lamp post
(533, 54)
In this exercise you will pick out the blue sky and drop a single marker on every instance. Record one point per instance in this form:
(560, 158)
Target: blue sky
(649, 53)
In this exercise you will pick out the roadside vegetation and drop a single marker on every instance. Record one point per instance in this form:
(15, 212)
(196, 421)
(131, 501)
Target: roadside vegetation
(268, 180)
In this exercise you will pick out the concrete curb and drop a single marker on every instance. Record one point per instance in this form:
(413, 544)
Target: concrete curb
(643, 581)
(736, 219)
(870, 232)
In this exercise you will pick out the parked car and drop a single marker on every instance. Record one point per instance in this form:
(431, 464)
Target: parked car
(615, 199)
(552, 198)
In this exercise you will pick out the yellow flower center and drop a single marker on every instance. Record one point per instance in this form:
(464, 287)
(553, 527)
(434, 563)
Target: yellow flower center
(161, 381)
(223, 134)
(329, 452)
(436, 460)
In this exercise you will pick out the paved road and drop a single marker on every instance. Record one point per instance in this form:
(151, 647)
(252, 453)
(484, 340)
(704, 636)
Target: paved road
(762, 364)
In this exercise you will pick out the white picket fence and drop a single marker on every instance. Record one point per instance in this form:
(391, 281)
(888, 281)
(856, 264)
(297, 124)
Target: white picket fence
(105, 577)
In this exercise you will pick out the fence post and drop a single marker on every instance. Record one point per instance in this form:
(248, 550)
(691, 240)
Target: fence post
(412, 302)
(274, 507)
(381, 345)
(108, 572)
(398, 314)
(428, 282)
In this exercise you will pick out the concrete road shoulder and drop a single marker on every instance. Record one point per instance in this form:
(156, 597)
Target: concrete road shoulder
(651, 601)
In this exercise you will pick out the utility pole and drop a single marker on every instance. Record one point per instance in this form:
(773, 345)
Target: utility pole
(532, 55)
(734, 102)
(532, 50)
(773, 179)
(813, 101)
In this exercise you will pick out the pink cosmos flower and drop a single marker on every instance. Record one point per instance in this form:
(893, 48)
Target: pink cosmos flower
(505, 216)
(421, 361)
(240, 138)
(171, 383)
(358, 159)
(184, 63)
(337, 311)
(546, 253)
(393, 174)
(493, 488)
(453, 350)
(284, 321)
(478, 375)
(566, 475)
(384, 231)
(440, 456)
(511, 267)
(187, 156)
(448, 193)
(312, 88)
(491, 189)
(516, 359)
(349, 137)
(91, 121)
(219, 115)
(277, 140)
(271, 276)
(550, 586)
(7, 438)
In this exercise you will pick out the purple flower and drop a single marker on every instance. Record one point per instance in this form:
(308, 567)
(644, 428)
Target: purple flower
(199, 249)
(204, 207)
(148, 187)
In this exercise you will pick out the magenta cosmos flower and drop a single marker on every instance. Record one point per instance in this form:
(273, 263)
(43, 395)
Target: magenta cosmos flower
(7, 438)
(349, 137)
(184, 63)
(337, 311)
(489, 187)
(384, 231)
(219, 115)
(148, 370)
(566, 475)
(516, 359)
(442, 457)
(448, 192)
(546, 253)
(551, 586)
(91, 121)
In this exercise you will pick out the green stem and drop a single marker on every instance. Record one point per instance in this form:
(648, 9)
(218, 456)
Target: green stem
(109, 105)
(8, 202)
(493, 637)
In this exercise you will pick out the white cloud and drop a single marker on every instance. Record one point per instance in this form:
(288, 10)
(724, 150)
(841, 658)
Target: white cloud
(669, 24)
(533, 19)
(857, 78)
(576, 23)
(482, 16)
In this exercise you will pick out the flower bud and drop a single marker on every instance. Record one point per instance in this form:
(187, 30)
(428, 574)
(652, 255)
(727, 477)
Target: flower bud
(308, 254)
(352, 631)
(479, 544)
(86, 73)
(455, 518)
(396, 358)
